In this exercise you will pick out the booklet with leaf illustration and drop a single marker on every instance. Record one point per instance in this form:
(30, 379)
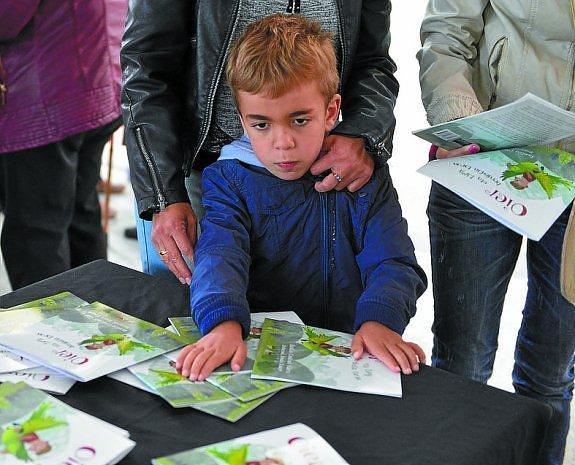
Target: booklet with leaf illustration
(515, 179)
(16, 318)
(37, 428)
(91, 341)
(185, 326)
(295, 444)
(163, 379)
(319, 357)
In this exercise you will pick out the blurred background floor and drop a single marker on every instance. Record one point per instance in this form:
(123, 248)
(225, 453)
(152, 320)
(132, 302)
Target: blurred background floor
(409, 153)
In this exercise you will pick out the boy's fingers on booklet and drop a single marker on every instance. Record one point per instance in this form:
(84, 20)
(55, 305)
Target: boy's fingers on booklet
(202, 363)
(239, 357)
(189, 359)
(357, 347)
(466, 150)
(401, 358)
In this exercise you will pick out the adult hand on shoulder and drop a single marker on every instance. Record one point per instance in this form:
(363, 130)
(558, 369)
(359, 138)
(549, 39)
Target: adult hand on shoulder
(467, 150)
(387, 346)
(350, 164)
(222, 344)
(174, 234)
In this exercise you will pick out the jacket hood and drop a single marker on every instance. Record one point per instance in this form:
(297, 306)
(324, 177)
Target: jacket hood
(240, 149)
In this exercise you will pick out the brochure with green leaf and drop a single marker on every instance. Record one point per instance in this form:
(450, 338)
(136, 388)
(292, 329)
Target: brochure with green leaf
(16, 318)
(91, 341)
(295, 444)
(517, 179)
(37, 428)
(161, 377)
(160, 374)
(320, 357)
(243, 387)
(186, 326)
(525, 189)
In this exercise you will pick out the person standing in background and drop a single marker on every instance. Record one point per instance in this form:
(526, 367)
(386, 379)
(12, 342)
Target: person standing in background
(479, 55)
(59, 104)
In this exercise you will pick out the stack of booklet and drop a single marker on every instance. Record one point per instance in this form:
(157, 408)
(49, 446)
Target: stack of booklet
(290, 445)
(53, 342)
(282, 352)
(517, 178)
(37, 428)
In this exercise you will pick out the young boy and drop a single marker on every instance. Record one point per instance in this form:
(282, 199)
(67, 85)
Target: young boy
(270, 241)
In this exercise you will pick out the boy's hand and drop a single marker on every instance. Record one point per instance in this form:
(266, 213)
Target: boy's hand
(387, 346)
(222, 344)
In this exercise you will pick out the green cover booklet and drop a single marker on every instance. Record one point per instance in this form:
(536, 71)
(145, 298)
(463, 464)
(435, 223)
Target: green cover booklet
(318, 357)
(39, 429)
(90, 341)
(289, 445)
(161, 376)
(517, 179)
(18, 317)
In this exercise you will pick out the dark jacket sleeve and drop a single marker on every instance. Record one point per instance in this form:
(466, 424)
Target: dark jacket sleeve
(14, 16)
(222, 256)
(370, 91)
(393, 281)
(154, 48)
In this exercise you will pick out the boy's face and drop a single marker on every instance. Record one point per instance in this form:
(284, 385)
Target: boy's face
(287, 132)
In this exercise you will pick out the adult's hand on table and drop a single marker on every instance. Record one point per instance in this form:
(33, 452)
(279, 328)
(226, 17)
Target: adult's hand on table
(351, 166)
(174, 235)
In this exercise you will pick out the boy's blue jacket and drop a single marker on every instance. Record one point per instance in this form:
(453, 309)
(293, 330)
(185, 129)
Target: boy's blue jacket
(338, 259)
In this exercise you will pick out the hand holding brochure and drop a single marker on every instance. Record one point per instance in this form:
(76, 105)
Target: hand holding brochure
(37, 428)
(290, 445)
(523, 186)
(318, 357)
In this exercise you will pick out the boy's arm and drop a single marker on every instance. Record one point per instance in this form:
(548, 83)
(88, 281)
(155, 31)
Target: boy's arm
(220, 279)
(370, 90)
(392, 279)
(450, 33)
(222, 259)
(14, 16)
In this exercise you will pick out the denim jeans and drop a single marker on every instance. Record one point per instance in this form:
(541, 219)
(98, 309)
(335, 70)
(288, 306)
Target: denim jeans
(151, 262)
(473, 257)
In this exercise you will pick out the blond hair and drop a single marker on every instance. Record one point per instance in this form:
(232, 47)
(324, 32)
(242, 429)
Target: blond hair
(280, 52)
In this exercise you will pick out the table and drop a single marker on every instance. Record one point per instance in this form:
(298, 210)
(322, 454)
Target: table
(442, 419)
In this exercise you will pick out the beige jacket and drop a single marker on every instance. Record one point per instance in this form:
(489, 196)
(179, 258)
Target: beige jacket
(481, 54)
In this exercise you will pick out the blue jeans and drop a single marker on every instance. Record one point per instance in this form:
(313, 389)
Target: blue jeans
(473, 257)
(151, 262)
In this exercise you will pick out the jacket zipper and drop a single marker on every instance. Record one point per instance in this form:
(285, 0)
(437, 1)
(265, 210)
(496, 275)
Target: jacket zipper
(327, 203)
(294, 6)
(151, 168)
(213, 88)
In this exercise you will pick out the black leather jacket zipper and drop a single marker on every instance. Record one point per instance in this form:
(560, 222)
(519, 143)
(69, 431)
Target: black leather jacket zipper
(151, 169)
(293, 6)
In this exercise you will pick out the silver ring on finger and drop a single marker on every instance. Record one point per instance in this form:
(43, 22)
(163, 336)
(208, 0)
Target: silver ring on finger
(163, 252)
(337, 177)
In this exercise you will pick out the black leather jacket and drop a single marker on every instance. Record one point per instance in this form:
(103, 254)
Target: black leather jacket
(173, 56)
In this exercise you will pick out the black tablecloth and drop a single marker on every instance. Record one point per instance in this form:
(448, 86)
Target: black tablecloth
(442, 419)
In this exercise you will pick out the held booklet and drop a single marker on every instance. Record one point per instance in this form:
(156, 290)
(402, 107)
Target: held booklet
(36, 428)
(91, 341)
(289, 445)
(319, 357)
(514, 179)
